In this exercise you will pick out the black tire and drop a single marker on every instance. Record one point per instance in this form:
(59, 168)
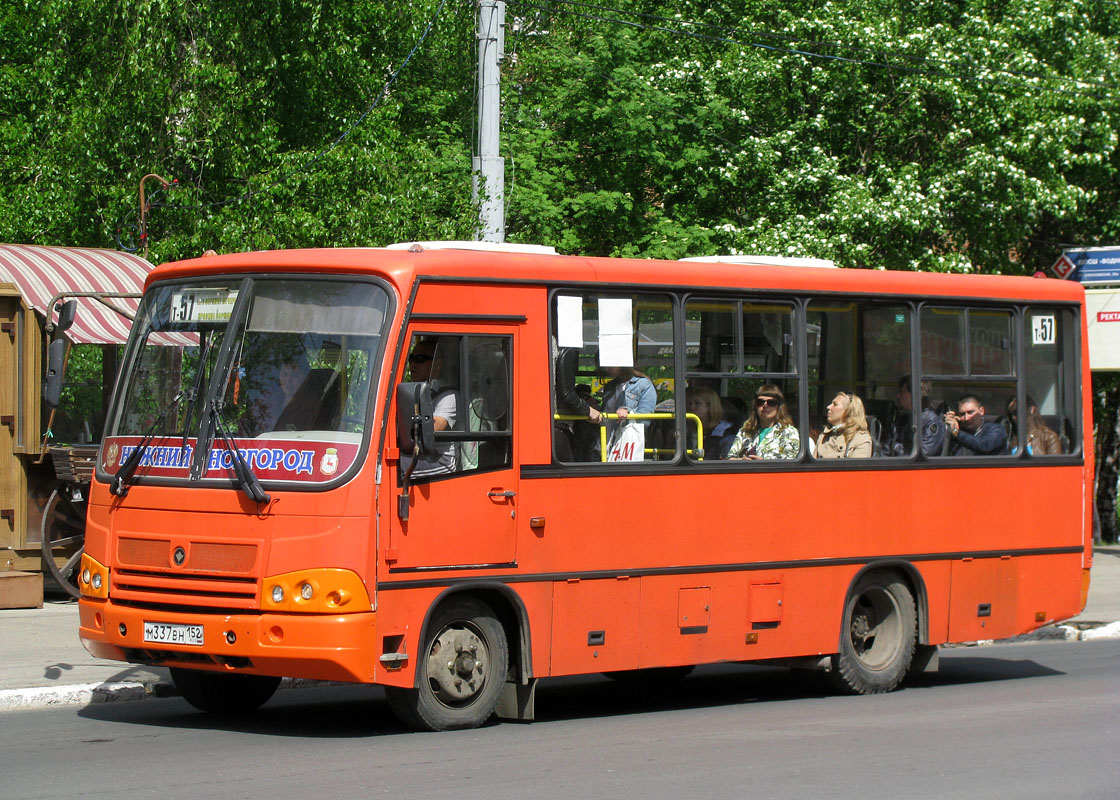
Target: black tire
(878, 637)
(462, 668)
(223, 693)
(64, 526)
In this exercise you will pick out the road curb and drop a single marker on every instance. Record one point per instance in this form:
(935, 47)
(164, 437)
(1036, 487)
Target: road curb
(1065, 632)
(114, 692)
(1109, 630)
(81, 694)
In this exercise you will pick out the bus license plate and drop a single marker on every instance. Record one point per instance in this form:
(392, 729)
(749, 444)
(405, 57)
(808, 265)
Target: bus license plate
(170, 633)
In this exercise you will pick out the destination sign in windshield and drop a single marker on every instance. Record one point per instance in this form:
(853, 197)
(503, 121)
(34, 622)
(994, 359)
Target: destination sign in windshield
(202, 305)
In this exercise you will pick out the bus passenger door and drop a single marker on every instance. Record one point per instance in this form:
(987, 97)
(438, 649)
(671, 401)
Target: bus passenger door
(462, 501)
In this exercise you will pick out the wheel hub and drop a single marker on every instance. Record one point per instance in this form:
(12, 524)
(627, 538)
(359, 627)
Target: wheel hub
(861, 632)
(875, 623)
(457, 665)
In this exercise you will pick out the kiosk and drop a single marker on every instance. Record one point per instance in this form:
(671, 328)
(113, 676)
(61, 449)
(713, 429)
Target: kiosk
(46, 454)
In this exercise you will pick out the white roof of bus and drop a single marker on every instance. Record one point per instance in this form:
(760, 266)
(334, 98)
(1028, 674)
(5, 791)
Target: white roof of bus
(488, 247)
(771, 261)
(540, 249)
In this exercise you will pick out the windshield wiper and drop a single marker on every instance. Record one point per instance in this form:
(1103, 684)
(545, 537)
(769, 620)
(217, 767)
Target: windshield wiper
(219, 379)
(196, 386)
(119, 484)
(246, 478)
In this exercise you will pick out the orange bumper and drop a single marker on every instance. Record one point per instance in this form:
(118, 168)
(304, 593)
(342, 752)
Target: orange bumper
(337, 647)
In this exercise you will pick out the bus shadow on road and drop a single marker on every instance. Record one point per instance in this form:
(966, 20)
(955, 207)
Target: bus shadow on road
(975, 668)
(708, 687)
(338, 711)
(331, 711)
(728, 685)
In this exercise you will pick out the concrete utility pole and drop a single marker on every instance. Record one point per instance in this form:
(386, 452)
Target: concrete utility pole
(488, 166)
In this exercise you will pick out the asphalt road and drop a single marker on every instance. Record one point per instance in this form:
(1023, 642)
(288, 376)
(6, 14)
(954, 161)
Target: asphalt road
(1039, 720)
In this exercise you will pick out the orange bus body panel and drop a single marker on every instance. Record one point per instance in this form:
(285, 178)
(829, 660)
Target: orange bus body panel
(620, 571)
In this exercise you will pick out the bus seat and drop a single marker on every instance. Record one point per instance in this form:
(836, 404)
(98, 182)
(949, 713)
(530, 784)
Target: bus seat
(878, 408)
(875, 428)
(733, 411)
(315, 404)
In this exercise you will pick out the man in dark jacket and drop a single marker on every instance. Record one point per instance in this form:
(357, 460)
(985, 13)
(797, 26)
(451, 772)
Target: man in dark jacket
(573, 442)
(970, 434)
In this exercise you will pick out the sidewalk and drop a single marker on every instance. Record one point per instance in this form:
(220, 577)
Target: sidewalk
(42, 663)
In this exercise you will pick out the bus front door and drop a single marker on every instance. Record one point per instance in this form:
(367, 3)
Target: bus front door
(462, 501)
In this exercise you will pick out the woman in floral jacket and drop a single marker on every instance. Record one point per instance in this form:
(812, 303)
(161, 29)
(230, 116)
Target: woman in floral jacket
(769, 431)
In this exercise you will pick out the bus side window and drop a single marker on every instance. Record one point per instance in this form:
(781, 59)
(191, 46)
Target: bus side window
(968, 357)
(863, 348)
(489, 404)
(1051, 424)
(613, 351)
(736, 346)
(471, 383)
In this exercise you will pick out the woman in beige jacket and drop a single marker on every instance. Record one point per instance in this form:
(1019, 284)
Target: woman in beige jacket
(846, 434)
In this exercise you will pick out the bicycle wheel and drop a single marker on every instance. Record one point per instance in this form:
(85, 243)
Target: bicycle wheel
(64, 528)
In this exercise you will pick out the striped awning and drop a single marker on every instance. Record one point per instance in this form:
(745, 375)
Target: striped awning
(41, 273)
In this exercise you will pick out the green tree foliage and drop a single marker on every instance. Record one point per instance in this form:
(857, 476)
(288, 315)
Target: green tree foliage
(971, 135)
(964, 136)
(240, 104)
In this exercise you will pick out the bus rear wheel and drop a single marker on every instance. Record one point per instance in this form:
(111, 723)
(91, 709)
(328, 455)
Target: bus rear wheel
(878, 636)
(222, 693)
(462, 670)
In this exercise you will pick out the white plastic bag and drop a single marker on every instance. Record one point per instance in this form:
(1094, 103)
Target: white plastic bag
(628, 443)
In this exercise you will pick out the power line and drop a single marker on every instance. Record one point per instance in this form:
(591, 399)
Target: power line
(796, 51)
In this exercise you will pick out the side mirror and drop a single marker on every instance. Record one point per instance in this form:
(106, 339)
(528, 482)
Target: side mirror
(66, 313)
(415, 419)
(52, 386)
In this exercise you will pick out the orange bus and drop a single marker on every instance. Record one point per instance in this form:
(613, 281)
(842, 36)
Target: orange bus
(387, 466)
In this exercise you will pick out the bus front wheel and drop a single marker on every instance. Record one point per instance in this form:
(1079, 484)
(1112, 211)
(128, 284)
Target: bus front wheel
(878, 636)
(462, 669)
(221, 693)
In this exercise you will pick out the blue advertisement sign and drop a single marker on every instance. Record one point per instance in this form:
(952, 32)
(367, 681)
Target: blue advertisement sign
(1089, 265)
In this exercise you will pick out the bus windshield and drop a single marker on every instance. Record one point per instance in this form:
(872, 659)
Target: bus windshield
(277, 368)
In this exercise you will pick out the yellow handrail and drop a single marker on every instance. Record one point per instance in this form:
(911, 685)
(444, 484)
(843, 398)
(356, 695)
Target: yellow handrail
(699, 452)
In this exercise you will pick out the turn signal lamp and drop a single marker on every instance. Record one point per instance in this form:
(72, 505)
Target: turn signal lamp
(94, 580)
(315, 591)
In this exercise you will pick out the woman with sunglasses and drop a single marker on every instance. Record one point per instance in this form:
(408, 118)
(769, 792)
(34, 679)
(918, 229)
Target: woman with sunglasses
(769, 431)
(846, 435)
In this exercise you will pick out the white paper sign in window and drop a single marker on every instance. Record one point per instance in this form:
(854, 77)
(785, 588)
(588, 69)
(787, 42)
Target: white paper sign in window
(569, 321)
(616, 332)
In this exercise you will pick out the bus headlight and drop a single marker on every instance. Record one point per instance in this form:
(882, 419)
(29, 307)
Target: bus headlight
(316, 591)
(94, 583)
